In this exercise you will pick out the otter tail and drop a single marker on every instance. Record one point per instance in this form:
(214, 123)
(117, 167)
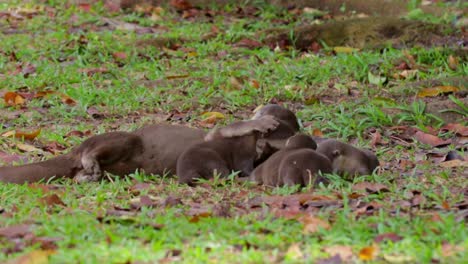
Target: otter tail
(59, 167)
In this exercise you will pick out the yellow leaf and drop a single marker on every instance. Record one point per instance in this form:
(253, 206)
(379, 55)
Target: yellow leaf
(344, 49)
(34, 257)
(212, 115)
(398, 258)
(27, 147)
(258, 108)
(368, 253)
(30, 136)
(13, 99)
(452, 62)
(192, 54)
(435, 91)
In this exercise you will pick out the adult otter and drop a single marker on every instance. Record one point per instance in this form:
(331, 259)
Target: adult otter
(153, 149)
(222, 154)
(296, 163)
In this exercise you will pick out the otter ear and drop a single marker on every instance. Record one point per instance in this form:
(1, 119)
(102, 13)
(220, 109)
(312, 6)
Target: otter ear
(336, 153)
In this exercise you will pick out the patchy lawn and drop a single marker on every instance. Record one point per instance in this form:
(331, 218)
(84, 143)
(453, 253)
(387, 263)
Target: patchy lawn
(71, 71)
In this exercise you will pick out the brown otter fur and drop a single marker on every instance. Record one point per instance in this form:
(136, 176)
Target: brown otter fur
(153, 149)
(222, 155)
(296, 163)
(347, 159)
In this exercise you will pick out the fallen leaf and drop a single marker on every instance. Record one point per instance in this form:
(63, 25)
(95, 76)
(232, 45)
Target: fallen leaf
(68, 100)
(313, 224)
(248, 43)
(25, 135)
(13, 99)
(317, 132)
(368, 253)
(387, 236)
(181, 5)
(86, 7)
(450, 249)
(171, 77)
(376, 79)
(51, 200)
(435, 91)
(212, 116)
(454, 163)
(27, 148)
(345, 50)
(452, 62)
(255, 84)
(15, 231)
(458, 129)
(34, 257)
(119, 55)
(92, 71)
(344, 252)
(398, 258)
(370, 187)
(432, 140)
(294, 252)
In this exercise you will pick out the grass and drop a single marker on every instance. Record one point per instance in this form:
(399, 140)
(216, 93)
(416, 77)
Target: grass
(155, 79)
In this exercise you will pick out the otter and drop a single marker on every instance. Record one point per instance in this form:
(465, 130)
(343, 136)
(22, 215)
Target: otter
(222, 155)
(347, 159)
(297, 163)
(153, 149)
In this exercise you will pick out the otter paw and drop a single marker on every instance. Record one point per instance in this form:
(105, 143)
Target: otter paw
(266, 124)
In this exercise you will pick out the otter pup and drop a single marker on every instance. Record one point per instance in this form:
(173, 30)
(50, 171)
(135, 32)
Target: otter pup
(222, 155)
(296, 163)
(347, 159)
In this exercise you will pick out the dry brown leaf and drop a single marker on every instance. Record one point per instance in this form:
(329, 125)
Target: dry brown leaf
(15, 231)
(431, 139)
(452, 62)
(435, 91)
(368, 253)
(172, 77)
(317, 132)
(313, 224)
(51, 200)
(181, 5)
(345, 252)
(454, 163)
(119, 55)
(28, 136)
(68, 100)
(388, 236)
(27, 148)
(370, 187)
(34, 257)
(248, 43)
(13, 99)
(457, 128)
(255, 84)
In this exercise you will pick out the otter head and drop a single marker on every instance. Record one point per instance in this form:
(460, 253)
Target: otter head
(348, 160)
(288, 125)
(301, 141)
(280, 113)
